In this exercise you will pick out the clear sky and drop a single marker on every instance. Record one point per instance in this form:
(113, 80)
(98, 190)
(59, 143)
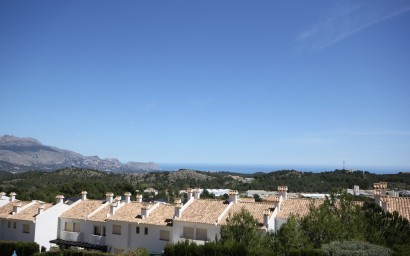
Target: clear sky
(235, 82)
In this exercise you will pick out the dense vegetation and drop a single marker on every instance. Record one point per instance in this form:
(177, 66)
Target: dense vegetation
(21, 248)
(71, 181)
(340, 226)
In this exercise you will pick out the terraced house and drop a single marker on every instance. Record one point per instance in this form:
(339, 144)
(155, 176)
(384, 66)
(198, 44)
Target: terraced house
(120, 224)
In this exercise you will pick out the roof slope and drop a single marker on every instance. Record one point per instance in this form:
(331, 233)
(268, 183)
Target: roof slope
(297, 206)
(83, 209)
(204, 211)
(400, 205)
(30, 212)
(255, 209)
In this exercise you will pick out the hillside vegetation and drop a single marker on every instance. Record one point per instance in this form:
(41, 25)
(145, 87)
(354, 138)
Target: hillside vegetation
(71, 181)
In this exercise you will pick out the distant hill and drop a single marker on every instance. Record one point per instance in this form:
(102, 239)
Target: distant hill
(22, 154)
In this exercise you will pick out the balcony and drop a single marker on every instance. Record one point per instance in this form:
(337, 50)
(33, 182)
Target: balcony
(72, 236)
(97, 240)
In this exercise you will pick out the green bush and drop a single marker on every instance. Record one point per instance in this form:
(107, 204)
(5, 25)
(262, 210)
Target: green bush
(354, 248)
(136, 252)
(72, 253)
(21, 248)
(305, 252)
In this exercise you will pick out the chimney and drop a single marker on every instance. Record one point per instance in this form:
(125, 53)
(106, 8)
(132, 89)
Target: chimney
(144, 212)
(83, 195)
(139, 198)
(178, 208)
(113, 208)
(16, 207)
(233, 196)
(109, 197)
(377, 195)
(127, 197)
(197, 193)
(383, 188)
(59, 199)
(2, 194)
(384, 203)
(118, 201)
(283, 192)
(40, 209)
(189, 192)
(266, 214)
(12, 196)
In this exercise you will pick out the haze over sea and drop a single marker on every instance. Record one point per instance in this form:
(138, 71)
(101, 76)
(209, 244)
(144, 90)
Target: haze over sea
(248, 169)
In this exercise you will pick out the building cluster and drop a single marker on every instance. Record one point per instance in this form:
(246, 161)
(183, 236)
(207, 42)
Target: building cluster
(119, 224)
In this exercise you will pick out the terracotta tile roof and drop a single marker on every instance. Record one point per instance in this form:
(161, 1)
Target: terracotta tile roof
(204, 211)
(399, 204)
(271, 198)
(102, 214)
(83, 209)
(297, 206)
(128, 212)
(255, 209)
(247, 200)
(161, 216)
(30, 212)
(7, 209)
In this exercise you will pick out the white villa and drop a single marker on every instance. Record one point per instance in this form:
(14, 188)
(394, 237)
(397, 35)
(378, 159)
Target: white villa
(116, 225)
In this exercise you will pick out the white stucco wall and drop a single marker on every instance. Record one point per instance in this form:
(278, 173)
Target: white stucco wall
(47, 224)
(117, 241)
(151, 241)
(16, 233)
(213, 231)
(73, 236)
(279, 222)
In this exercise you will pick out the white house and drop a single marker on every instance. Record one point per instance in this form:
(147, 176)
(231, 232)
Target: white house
(78, 228)
(4, 199)
(33, 221)
(139, 224)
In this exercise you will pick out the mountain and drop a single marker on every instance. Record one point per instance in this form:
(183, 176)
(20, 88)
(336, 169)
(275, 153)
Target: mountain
(21, 154)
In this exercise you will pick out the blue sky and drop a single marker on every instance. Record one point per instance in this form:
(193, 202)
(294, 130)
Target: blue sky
(235, 82)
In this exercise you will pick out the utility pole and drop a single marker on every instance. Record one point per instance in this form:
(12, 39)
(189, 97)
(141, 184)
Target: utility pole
(343, 164)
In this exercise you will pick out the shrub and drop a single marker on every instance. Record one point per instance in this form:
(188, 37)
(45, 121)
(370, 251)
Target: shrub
(21, 248)
(354, 248)
(72, 253)
(137, 252)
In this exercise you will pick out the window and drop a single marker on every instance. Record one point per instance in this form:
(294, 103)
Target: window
(26, 228)
(103, 231)
(201, 234)
(164, 235)
(145, 231)
(76, 227)
(72, 227)
(14, 225)
(116, 229)
(188, 233)
(68, 226)
(9, 224)
(137, 230)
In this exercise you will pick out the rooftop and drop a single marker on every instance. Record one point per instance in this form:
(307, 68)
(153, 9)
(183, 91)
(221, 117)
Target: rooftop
(297, 206)
(128, 212)
(7, 209)
(30, 212)
(82, 209)
(399, 204)
(204, 211)
(255, 209)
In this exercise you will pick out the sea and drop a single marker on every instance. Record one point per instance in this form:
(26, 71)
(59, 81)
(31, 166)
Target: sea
(249, 169)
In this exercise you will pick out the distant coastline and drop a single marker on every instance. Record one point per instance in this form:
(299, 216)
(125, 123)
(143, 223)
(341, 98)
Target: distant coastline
(248, 168)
